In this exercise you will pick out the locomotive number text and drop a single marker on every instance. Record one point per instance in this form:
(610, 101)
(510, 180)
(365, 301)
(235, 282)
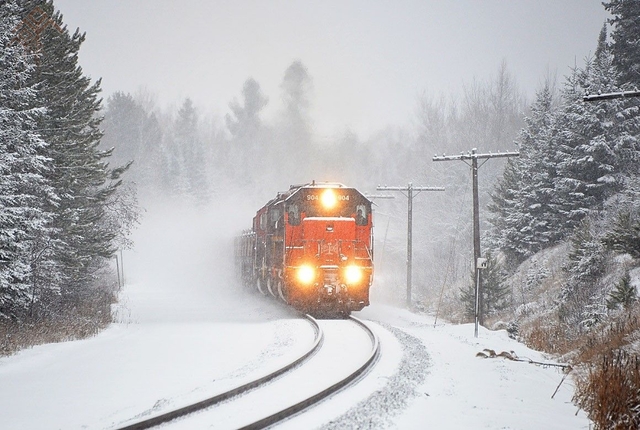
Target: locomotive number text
(313, 197)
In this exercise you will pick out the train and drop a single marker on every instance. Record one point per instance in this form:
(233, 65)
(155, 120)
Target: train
(312, 248)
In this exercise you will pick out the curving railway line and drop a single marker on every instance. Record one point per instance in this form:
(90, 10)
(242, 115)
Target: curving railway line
(342, 351)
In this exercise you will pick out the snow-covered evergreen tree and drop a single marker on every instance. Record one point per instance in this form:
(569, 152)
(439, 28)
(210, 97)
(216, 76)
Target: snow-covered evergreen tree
(495, 291)
(624, 293)
(134, 134)
(189, 149)
(586, 157)
(524, 212)
(626, 40)
(24, 229)
(248, 150)
(625, 235)
(79, 171)
(579, 297)
(572, 159)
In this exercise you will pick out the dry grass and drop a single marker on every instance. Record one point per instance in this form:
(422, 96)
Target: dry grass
(79, 322)
(605, 357)
(610, 392)
(546, 333)
(608, 381)
(606, 362)
(610, 336)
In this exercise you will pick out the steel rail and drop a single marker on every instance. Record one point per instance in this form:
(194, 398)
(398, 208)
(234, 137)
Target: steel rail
(316, 398)
(211, 401)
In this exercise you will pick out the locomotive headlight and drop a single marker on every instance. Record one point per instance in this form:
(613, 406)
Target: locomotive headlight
(306, 274)
(328, 199)
(353, 274)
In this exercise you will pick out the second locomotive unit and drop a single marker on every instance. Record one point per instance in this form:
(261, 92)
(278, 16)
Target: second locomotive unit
(312, 247)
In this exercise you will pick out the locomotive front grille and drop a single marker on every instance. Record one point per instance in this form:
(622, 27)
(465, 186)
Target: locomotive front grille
(330, 275)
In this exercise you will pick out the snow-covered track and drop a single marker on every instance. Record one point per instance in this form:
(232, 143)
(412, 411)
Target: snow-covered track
(292, 410)
(206, 403)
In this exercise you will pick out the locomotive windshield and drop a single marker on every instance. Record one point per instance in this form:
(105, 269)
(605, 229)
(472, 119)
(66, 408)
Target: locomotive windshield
(294, 214)
(329, 202)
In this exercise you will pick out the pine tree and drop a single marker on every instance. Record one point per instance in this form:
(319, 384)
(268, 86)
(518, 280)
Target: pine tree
(79, 173)
(571, 161)
(591, 152)
(190, 153)
(23, 188)
(245, 119)
(626, 40)
(135, 136)
(586, 166)
(621, 64)
(248, 150)
(124, 126)
(296, 87)
(625, 235)
(624, 294)
(524, 213)
(495, 291)
(587, 255)
(578, 300)
(295, 139)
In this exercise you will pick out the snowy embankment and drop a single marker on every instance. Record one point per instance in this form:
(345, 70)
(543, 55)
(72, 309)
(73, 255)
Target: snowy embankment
(185, 331)
(462, 391)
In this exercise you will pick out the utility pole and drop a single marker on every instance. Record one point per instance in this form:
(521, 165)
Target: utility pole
(477, 261)
(410, 189)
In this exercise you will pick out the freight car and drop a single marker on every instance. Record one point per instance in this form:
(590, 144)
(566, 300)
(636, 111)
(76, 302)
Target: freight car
(311, 247)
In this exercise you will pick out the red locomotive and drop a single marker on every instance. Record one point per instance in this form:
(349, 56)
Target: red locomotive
(312, 247)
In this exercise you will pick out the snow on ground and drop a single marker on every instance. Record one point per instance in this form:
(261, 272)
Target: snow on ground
(183, 333)
(462, 391)
(185, 330)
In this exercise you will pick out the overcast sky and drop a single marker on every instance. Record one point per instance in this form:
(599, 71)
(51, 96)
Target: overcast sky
(369, 59)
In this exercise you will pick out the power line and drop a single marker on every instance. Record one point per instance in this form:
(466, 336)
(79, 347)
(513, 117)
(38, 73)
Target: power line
(380, 256)
(409, 189)
(474, 157)
(610, 96)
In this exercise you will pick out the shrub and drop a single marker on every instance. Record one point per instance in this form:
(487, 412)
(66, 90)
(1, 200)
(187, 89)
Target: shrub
(85, 319)
(611, 392)
(546, 334)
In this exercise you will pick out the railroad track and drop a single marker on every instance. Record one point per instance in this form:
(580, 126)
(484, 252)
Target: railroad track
(326, 392)
(242, 398)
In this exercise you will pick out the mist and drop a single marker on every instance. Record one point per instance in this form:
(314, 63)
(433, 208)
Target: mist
(369, 60)
(129, 180)
(182, 266)
(201, 178)
(288, 119)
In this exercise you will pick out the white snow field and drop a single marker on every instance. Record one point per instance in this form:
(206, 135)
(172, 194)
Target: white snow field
(186, 330)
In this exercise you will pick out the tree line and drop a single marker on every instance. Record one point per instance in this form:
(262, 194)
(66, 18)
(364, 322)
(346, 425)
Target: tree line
(182, 152)
(577, 177)
(575, 157)
(63, 210)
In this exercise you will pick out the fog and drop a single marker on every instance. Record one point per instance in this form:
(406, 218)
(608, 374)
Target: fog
(369, 60)
(182, 267)
(201, 179)
(221, 106)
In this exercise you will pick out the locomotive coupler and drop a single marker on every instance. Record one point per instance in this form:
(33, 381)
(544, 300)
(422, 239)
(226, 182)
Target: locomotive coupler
(334, 289)
(329, 289)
